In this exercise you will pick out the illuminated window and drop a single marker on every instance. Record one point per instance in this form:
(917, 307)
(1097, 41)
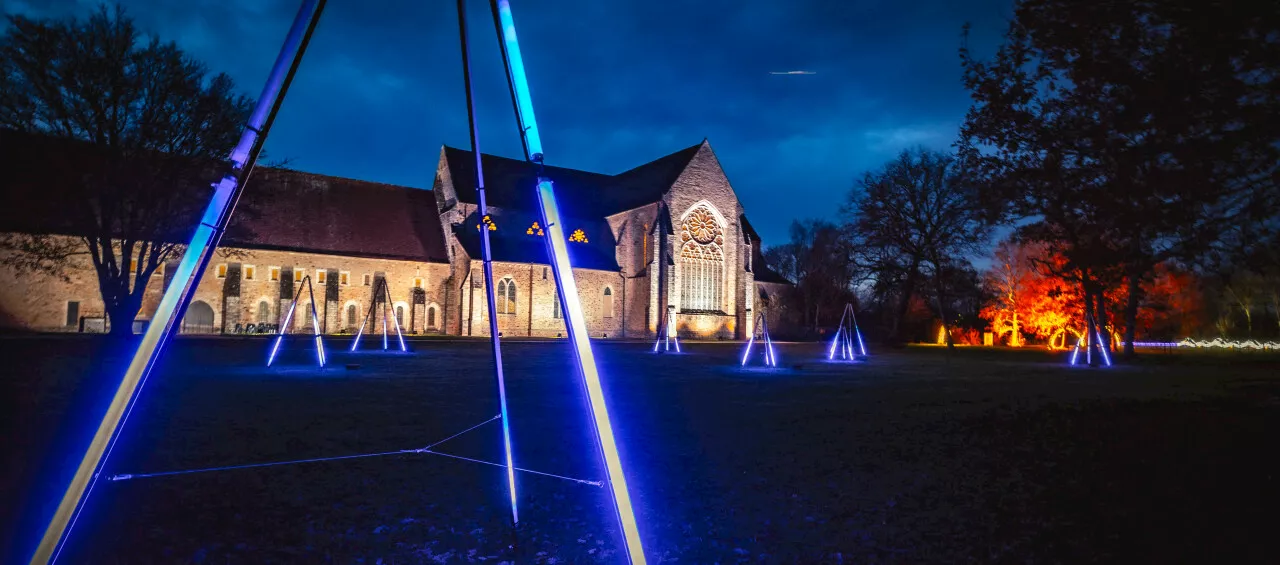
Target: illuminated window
(701, 262)
(506, 296)
(417, 282)
(578, 236)
(133, 265)
(273, 273)
(322, 277)
(534, 229)
(248, 272)
(221, 270)
(298, 274)
(608, 302)
(368, 279)
(343, 277)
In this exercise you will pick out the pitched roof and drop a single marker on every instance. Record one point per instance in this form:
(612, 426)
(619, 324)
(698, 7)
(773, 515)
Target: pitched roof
(280, 209)
(308, 212)
(508, 183)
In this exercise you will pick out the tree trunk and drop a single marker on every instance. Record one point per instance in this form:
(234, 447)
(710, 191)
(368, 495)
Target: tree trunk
(1089, 330)
(1103, 334)
(121, 314)
(1131, 312)
(904, 302)
(942, 309)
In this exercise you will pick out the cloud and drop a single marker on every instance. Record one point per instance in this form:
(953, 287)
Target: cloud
(894, 139)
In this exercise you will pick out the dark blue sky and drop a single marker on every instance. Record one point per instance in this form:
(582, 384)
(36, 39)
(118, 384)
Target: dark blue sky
(615, 83)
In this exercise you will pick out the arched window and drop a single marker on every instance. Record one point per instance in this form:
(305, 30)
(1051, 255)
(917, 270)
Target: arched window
(431, 317)
(555, 305)
(506, 296)
(608, 302)
(351, 315)
(701, 261)
(400, 315)
(264, 311)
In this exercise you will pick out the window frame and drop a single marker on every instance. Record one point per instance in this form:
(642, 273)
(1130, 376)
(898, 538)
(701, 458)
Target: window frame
(273, 273)
(247, 272)
(220, 271)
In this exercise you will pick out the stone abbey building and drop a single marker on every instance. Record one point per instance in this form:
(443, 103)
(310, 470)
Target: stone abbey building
(667, 236)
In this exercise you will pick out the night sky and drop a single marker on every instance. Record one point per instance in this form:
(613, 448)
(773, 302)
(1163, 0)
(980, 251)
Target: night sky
(615, 84)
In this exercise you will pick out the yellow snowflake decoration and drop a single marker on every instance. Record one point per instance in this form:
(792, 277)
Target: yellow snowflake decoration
(487, 220)
(535, 229)
(578, 237)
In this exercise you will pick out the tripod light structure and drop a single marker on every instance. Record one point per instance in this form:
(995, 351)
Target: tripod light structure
(1089, 342)
(667, 333)
(380, 289)
(288, 323)
(761, 332)
(217, 215)
(848, 339)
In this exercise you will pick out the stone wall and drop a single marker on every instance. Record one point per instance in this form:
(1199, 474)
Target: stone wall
(236, 286)
(535, 302)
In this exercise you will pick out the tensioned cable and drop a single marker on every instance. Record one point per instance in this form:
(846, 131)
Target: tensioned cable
(425, 450)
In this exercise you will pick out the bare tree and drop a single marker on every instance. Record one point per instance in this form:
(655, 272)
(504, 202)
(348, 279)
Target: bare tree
(129, 126)
(917, 211)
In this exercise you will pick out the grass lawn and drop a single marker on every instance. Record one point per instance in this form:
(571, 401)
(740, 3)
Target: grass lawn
(982, 455)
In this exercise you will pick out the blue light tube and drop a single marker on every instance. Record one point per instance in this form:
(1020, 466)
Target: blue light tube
(184, 282)
(577, 329)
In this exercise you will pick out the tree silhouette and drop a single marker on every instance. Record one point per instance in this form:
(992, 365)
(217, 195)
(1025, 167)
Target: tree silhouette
(134, 123)
(1133, 132)
(914, 217)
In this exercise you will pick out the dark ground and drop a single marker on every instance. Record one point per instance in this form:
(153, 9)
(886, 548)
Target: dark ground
(915, 456)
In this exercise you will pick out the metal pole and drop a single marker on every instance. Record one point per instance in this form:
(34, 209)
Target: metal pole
(487, 261)
(566, 286)
(187, 276)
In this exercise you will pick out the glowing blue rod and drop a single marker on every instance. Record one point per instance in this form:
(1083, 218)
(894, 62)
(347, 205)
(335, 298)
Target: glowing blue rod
(768, 343)
(577, 329)
(399, 335)
(519, 82)
(186, 278)
(1102, 347)
(831, 353)
(495, 340)
(356, 342)
(861, 346)
(384, 326)
(747, 352)
(315, 325)
(567, 287)
(280, 335)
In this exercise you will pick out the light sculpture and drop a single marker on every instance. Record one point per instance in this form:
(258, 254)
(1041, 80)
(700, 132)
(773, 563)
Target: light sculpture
(667, 334)
(557, 251)
(381, 293)
(847, 334)
(287, 323)
(760, 328)
(217, 214)
(1089, 341)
